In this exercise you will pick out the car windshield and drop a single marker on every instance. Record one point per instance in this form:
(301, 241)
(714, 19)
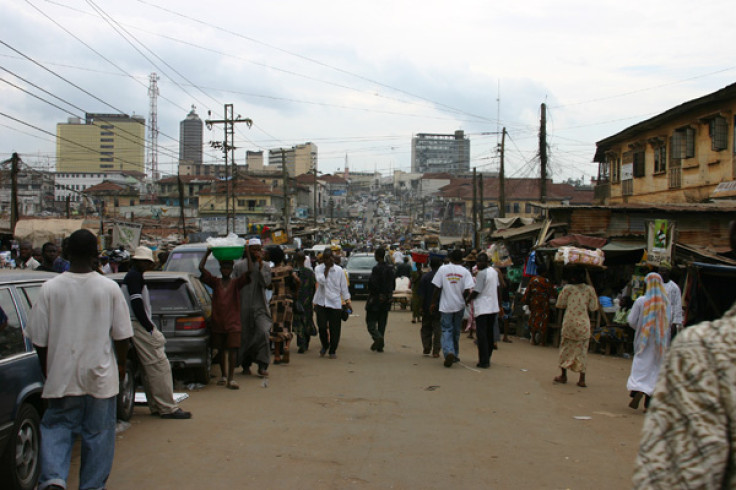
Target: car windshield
(188, 261)
(361, 262)
(169, 296)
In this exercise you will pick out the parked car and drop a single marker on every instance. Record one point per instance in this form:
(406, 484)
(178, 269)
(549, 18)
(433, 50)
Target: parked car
(186, 258)
(181, 308)
(359, 269)
(21, 380)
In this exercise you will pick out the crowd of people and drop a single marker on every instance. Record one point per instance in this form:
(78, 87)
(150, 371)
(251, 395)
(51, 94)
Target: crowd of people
(259, 303)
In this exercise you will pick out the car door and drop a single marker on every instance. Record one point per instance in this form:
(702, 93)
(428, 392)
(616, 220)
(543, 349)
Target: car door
(19, 368)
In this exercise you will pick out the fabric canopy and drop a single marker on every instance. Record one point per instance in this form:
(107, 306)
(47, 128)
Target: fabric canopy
(578, 241)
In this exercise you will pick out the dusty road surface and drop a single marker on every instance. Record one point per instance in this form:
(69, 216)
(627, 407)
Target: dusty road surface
(393, 420)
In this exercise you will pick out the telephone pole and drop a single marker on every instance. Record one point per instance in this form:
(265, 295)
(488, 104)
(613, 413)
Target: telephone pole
(543, 154)
(475, 210)
(14, 163)
(502, 180)
(287, 196)
(480, 208)
(228, 148)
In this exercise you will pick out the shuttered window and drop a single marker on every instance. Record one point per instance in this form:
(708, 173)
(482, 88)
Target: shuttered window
(718, 129)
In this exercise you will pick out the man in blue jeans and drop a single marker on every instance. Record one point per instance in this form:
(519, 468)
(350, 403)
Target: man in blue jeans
(75, 322)
(453, 282)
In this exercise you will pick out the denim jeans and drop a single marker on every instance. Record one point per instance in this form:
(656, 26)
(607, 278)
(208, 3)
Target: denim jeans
(65, 418)
(451, 323)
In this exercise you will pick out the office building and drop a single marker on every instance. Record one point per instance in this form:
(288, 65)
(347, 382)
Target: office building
(190, 139)
(434, 153)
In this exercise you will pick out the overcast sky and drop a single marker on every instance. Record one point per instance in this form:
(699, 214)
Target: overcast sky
(359, 79)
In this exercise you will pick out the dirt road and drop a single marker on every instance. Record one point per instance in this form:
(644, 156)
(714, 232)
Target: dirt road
(393, 420)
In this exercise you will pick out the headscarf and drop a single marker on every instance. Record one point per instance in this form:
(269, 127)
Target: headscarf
(655, 323)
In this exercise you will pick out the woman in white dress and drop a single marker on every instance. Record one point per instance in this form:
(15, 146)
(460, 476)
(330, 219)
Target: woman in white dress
(650, 317)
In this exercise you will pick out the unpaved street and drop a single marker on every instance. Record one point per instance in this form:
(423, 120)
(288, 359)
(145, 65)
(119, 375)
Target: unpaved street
(393, 420)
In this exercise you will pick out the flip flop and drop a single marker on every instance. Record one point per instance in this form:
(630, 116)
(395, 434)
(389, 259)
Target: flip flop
(233, 385)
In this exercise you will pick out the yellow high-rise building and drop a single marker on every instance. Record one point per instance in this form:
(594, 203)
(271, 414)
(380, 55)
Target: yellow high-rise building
(100, 143)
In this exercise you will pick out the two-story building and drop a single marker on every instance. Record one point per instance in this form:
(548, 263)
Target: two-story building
(678, 156)
(192, 186)
(252, 198)
(110, 197)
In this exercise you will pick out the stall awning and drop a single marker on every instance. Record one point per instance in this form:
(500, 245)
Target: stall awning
(702, 253)
(577, 240)
(623, 246)
(523, 231)
(449, 240)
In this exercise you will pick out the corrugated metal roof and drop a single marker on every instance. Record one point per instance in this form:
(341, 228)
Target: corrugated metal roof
(719, 207)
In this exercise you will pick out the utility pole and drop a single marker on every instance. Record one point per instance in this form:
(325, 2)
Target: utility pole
(502, 180)
(228, 148)
(287, 197)
(182, 221)
(14, 163)
(314, 170)
(475, 210)
(543, 154)
(480, 208)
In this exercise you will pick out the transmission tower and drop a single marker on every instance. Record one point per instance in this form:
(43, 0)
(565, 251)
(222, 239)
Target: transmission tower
(152, 163)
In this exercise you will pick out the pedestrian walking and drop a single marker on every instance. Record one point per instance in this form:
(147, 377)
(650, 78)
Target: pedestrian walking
(380, 295)
(454, 283)
(431, 331)
(650, 318)
(332, 288)
(304, 327)
(79, 323)
(226, 328)
(285, 285)
(486, 298)
(149, 342)
(537, 296)
(674, 295)
(255, 313)
(577, 298)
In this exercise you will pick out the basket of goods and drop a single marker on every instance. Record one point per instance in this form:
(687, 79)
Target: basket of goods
(230, 247)
(580, 256)
(419, 256)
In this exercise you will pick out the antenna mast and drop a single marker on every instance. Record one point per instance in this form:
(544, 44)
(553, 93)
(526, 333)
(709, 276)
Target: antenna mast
(152, 164)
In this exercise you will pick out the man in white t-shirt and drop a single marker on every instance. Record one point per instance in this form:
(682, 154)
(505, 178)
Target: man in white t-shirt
(79, 324)
(486, 298)
(398, 256)
(454, 283)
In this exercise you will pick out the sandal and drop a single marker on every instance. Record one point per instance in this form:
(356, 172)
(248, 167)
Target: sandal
(560, 379)
(233, 385)
(221, 381)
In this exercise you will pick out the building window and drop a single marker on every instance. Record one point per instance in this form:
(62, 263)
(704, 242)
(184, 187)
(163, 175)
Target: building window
(682, 144)
(107, 133)
(106, 159)
(104, 165)
(132, 202)
(627, 187)
(107, 126)
(718, 129)
(639, 168)
(528, 208)
(106, 140)
(660, 159)
(517, 208)
(614, 162)
(241, 203)
(107, 147)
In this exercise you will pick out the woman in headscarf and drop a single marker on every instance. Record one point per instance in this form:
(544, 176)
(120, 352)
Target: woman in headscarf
(650, 318)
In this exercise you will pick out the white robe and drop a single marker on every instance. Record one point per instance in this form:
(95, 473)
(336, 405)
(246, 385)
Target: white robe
(646, 365)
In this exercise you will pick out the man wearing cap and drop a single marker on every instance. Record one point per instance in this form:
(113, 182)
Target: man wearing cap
(255, 313)
(149, 341)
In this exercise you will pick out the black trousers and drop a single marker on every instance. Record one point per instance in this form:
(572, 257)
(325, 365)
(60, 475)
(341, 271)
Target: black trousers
(329, 324)
(484, 331)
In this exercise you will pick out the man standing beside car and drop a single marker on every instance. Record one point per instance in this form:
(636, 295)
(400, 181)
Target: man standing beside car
(75, 322)
(149, 341)
(255, 312)
(380, 294)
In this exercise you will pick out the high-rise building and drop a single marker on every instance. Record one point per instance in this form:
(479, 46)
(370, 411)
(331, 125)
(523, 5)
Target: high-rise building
(300, 159)
(254, 160)
(440, 153)
(190, 139)
(103, 142)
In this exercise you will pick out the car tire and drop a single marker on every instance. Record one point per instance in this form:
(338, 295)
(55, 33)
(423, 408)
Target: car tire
(126, 397)
(22, 458)
(202, 374)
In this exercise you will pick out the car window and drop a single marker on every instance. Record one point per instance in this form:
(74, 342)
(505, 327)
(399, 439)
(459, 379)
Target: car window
(203, 296)
(365, 262)
(189, 262)
(11, 336)
(28, 296)
(169, 296)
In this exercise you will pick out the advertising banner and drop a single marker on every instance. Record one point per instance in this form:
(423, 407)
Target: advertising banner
(126, 234)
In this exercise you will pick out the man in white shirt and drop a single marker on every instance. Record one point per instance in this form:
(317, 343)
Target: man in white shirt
(454, 283)
(332, 288)
(25, 257)
(79, 325)
(398, 256)
(486, 298)
(675, 296)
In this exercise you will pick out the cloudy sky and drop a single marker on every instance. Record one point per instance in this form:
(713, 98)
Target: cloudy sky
(359, 79)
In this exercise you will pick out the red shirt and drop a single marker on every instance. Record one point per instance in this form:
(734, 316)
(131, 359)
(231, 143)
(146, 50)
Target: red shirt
(225, 302)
